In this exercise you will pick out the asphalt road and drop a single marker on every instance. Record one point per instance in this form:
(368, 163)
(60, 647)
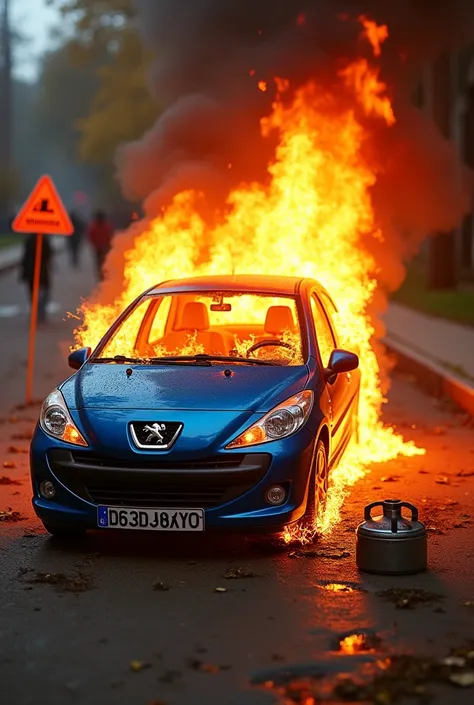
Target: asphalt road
(106, 633)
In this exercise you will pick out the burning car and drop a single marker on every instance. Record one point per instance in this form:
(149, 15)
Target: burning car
(211, 402)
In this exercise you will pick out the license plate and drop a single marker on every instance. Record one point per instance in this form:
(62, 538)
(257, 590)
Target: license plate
(150, 519)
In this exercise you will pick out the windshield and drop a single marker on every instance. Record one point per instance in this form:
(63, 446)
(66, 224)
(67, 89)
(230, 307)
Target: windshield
(234, 325)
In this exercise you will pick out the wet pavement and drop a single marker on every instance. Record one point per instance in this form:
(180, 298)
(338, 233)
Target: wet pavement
(137, 619)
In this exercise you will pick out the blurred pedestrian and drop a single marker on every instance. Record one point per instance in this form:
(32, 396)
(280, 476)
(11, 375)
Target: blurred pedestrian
(27, 272)
(100, 237)
(74, 241)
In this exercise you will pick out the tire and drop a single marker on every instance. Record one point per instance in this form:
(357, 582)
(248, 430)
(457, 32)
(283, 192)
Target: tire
(318, 488)
(63, 531)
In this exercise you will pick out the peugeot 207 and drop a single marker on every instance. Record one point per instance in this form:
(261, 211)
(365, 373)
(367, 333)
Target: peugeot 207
(211, 402)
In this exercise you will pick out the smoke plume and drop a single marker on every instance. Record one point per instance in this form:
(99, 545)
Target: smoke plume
(210, 56)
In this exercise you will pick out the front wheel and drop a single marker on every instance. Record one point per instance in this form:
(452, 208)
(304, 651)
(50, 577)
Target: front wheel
(318, 489)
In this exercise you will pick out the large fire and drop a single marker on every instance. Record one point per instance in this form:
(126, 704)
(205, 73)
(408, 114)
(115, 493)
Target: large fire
(311, 219)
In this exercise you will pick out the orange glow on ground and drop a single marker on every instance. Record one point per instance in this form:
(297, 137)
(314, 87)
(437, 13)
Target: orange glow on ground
(310, 219)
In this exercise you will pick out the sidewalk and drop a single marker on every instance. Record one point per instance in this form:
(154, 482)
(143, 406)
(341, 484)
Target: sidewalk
(450, 345)
(440, 354)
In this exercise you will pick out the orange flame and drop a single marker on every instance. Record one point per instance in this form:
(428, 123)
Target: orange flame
(309, 220)
(376, 34)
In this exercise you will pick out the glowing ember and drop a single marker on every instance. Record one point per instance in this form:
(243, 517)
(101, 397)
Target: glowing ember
(310, 220)
(262, 86)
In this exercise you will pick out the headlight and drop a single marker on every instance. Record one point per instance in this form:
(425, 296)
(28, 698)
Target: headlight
(280, 422)
(56, 421)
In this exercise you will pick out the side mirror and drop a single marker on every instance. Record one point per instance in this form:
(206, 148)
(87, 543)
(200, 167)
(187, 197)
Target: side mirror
(77, 358)
(340, 361)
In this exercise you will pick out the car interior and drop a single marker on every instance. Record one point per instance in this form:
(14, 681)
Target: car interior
(215, 328)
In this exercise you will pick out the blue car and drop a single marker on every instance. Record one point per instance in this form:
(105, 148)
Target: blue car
(211, 403)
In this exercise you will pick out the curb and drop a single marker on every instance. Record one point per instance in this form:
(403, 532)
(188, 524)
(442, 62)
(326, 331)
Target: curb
(432, 377)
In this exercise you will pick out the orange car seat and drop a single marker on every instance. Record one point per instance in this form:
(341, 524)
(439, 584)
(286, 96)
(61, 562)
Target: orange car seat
(279, 319)
(195, 322)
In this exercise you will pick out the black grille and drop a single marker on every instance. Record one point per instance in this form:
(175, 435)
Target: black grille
(157, 495)
(230, 460)
(145, 481)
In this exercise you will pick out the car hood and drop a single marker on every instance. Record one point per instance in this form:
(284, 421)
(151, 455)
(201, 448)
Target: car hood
(247, 388)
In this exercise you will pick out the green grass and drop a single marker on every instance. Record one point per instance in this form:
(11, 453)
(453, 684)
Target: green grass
(9, 240)
(452, 305)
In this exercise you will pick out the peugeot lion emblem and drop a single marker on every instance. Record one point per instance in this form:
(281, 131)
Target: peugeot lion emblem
(155, 435)
(154, 432)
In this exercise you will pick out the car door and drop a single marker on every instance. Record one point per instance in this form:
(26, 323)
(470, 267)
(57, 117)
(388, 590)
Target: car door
(343, 390)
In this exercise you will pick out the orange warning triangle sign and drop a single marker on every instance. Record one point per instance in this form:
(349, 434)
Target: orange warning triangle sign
(44, 212)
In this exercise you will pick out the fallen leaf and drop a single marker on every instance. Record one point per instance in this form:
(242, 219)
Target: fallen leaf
(9, 464)
(25, 436)
(465, 473)
(198, 665)
(66, 583)
(390, 478)
(464, 680)
(11, 516)
(333, 555)
(220, 589)
(406, 598)
(8, 481)
(160, 586)
(442, 480)
(237, 573)
(137, 666)
(457, 661)
(16, 449)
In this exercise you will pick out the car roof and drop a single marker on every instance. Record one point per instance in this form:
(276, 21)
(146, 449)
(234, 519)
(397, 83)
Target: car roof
(261, 283)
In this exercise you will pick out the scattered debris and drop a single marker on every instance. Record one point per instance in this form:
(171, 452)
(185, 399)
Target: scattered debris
(406, 598)
(442, 480)
(9, 464)
(24, 436)
(11, 516)
(390, 478)
(64, 583)
(16, 449)
(160, 586)
(198, 665)
(220, 589)
(468, 603)
(137, 666)
(8, 481)
(237, 573)
(169, 676)
(334, 555)
(277, 657)
(464, 680)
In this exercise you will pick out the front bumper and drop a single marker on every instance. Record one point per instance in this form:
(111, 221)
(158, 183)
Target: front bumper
(229, 486)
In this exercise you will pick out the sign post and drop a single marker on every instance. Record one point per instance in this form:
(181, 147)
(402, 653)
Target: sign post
(42, 214)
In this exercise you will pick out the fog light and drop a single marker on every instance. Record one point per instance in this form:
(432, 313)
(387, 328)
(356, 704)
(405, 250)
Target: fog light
(275, 495)
(47, 489)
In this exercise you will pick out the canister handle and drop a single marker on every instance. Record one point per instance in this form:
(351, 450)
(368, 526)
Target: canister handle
(413, 510)
(368, 510)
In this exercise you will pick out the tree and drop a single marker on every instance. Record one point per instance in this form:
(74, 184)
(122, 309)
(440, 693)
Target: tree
(106, 37)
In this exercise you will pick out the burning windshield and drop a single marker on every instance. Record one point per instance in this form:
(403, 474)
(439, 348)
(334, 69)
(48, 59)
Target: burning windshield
(217, 324)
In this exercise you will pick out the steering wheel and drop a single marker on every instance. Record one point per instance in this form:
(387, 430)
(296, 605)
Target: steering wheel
(267, 343)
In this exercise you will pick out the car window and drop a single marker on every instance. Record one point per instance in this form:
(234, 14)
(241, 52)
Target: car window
(160, 319)
(331, 313)
(231, 324)
(324, 334)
